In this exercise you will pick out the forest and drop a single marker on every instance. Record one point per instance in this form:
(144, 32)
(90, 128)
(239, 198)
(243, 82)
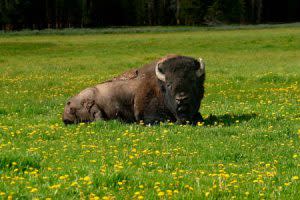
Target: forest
(56, 14)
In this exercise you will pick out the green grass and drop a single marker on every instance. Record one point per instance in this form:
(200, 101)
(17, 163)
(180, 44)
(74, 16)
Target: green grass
(247, 148)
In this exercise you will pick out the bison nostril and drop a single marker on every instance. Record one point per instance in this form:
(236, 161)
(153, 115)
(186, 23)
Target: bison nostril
(179, 109)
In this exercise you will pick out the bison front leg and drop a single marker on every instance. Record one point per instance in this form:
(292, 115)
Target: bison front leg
(197, 118)
(96, 113)
(148, 112)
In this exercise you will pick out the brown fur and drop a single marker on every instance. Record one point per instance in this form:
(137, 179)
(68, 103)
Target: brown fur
(138, 95)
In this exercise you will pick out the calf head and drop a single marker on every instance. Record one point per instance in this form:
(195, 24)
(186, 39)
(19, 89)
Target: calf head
(181, 80)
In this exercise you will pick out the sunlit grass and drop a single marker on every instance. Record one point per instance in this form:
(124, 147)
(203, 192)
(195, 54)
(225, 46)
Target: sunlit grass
(248, 146)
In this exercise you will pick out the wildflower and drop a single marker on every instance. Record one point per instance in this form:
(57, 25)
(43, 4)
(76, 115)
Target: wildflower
(161, 193)
(120, 183)
(206, 194)
(169, 192)
(63, 177)
(137, 193)
(55, 186)
(287, 184)
(295, 178)
(74, 183)
(200, 124)
(140, 197)
(33, 190)
(87, 178)
(295, 156)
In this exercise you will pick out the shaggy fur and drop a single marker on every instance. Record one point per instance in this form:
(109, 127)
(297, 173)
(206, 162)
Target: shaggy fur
(138, 95)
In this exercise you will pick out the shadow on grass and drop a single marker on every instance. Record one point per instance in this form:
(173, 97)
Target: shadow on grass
(228, 119)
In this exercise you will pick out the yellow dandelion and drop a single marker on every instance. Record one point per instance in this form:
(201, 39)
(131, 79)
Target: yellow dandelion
(87, 178)
(287, 184)
(33, 190)
(200, 123)
(169, 192)
(295, 178)
(157, 183)
(295, 156)
(206, 194)
(55, 186)
(140, 197)
(161, 193)
(63, 177)
(74, 183)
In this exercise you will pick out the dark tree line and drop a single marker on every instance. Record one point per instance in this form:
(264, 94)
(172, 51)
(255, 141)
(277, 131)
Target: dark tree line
(40, 14)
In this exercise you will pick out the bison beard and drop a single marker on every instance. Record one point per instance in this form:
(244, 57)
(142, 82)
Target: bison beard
(168, 89)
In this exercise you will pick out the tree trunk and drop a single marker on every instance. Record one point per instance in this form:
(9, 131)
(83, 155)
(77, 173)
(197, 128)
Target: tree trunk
(259, 11)
(177, 12)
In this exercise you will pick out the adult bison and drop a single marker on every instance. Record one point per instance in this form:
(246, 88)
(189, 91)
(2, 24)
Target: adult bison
(168, 89)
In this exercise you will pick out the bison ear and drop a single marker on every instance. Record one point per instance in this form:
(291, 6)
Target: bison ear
(201, 69)
(159, 74)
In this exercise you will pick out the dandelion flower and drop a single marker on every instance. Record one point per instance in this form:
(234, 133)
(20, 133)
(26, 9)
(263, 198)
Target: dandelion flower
(161, 193)
(33, 190)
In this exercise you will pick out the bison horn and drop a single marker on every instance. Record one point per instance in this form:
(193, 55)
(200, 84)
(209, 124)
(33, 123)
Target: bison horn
(201, 69)
(159, 74)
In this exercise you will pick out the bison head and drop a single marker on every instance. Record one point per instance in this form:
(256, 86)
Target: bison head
(81, 108)
(181, 79)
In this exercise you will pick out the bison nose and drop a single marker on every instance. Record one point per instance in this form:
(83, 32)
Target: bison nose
(66, 121)
(181, 98)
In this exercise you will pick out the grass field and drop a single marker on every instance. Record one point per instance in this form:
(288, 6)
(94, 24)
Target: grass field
(248, 147)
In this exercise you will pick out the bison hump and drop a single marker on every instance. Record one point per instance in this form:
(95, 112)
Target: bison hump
(131, 74)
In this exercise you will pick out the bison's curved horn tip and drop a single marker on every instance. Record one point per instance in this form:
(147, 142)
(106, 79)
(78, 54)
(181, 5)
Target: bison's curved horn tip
(201, 70)
(159, 74)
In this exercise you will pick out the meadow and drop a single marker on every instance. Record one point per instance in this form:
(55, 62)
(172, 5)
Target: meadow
(247, 148)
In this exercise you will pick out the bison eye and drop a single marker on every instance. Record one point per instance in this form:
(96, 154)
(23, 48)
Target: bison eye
(169, 85)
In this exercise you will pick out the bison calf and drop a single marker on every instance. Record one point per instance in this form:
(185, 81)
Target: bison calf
(168, 89)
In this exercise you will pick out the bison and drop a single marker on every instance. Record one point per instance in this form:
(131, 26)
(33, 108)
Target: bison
(168, 89)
